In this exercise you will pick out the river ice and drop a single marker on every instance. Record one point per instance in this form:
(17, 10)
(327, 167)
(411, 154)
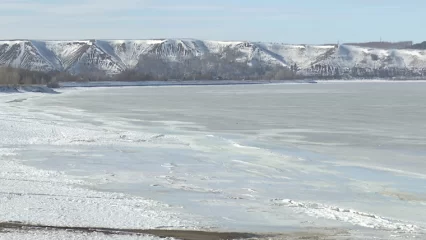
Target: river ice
(263, 158)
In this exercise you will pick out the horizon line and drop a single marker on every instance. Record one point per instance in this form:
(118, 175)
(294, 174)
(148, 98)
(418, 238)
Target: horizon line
(198, 39)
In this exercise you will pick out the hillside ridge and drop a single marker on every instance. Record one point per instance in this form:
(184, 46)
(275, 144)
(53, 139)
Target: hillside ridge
(113, 57)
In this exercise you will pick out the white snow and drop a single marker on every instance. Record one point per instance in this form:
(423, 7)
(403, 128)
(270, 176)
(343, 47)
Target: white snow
(363, 219)
(199, 157)
(113, 56)
(36, 196)
(52, 198)
(16, 42)
(74, 55)
(61, 235)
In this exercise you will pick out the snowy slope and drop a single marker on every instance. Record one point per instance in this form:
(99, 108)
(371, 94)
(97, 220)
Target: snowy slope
(80, 56)
(25, 54)
(114, 56)
(302, 55)
(128, 52)
(348, 56)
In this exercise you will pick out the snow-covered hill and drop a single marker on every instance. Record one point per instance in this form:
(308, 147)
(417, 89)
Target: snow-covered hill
(115, 56)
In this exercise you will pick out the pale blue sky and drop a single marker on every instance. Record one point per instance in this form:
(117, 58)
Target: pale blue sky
(299, 21)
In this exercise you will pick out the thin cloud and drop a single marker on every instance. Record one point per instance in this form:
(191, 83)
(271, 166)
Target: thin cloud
(99, 7)
(112, 18)
(73, 8)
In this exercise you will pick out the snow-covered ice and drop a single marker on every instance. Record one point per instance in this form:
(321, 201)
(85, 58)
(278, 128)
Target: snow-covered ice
(60, 235)
(262, 158)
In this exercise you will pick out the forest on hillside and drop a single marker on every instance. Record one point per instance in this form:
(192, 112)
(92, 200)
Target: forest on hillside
(222, 66)
(17, 76)
(227, 65)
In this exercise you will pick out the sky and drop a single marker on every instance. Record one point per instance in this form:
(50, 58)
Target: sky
(285, 21)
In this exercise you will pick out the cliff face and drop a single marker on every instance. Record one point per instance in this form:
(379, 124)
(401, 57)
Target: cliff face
(115, 56)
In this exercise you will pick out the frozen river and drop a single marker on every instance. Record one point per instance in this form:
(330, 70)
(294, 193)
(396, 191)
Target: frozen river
(249, 158)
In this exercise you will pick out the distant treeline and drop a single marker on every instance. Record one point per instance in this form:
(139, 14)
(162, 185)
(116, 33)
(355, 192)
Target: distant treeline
(391, 45)
(222, 66)
(421, 45)
(324, 71)
(15, 76)
(384, 45)
(228, 65)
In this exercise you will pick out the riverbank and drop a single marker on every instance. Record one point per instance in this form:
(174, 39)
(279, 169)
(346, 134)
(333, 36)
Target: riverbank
(26, 88)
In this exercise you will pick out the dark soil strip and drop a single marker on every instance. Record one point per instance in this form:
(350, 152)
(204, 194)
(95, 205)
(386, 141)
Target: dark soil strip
(180, 234)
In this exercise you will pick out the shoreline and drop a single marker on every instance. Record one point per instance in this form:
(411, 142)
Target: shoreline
(65, 85)
(177, 83)
(177, 234)
(223, 82)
